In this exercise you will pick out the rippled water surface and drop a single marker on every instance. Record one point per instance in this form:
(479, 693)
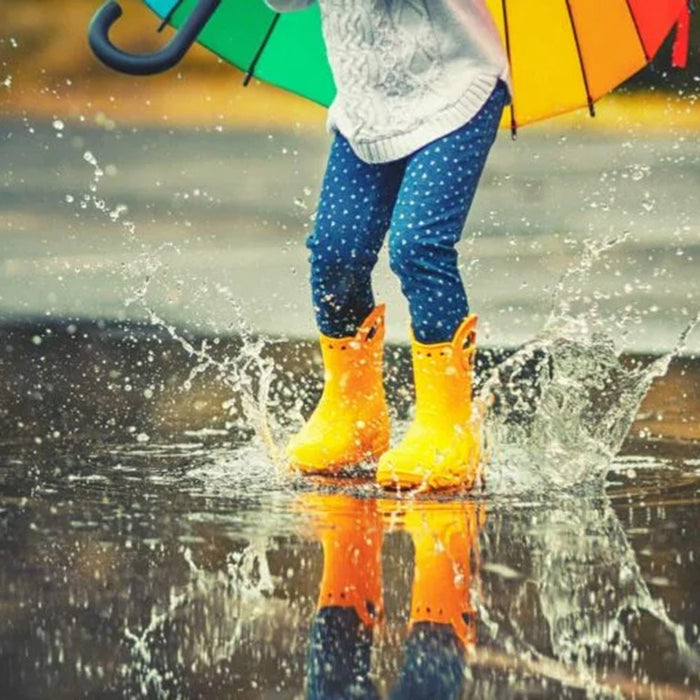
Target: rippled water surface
(152, 544)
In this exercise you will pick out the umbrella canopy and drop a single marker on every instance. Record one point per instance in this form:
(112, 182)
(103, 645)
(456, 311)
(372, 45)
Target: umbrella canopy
(564, 54)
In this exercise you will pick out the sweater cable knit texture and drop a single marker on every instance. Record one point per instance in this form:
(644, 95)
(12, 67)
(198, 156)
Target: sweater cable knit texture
(407, 71)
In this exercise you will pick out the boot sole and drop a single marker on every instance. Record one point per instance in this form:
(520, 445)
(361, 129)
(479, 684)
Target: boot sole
(398, 481)
(372, 455)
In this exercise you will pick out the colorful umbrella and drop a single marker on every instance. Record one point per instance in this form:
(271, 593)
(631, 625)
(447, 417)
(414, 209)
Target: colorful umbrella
(564, 54)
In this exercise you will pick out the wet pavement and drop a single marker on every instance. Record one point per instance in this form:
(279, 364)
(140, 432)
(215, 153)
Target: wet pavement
(152, 545)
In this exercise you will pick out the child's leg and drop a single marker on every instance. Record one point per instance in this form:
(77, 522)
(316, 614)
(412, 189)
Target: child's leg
(441, 448)
(350, 424)
(353, 216)
(435, 196)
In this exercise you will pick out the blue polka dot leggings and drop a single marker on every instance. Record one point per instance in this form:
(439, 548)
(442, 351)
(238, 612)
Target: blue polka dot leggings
(422, 200)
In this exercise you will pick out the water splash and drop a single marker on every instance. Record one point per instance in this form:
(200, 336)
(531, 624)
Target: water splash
(249, 375)
(214, 612)
(569, 290)
(560, 407)
(91, 197)
(580, 573)
(558, 410)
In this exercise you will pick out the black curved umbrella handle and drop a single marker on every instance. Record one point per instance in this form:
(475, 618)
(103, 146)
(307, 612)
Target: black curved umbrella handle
(149, 64)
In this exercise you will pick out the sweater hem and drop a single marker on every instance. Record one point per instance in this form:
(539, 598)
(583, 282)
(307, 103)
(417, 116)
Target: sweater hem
(389, 148)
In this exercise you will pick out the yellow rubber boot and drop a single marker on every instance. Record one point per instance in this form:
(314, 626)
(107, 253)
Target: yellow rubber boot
(442, 446)
(445, 539)
(350, 423)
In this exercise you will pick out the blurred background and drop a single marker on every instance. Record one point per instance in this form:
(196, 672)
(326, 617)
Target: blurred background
(189, 196)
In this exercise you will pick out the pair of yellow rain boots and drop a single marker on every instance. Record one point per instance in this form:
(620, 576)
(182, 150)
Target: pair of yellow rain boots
(350, 424)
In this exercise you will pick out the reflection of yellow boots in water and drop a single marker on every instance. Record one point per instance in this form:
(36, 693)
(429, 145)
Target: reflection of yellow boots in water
(442, 623)
(444, 536)
(442, 446)
(351, 535)
(350, 596)
(350, 423)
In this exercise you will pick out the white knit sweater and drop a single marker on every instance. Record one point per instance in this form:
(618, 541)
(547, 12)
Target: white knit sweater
(406, 71)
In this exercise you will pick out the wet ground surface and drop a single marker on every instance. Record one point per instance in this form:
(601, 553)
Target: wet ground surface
(151, 545)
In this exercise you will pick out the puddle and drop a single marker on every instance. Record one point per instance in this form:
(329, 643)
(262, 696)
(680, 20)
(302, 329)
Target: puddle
(152, 547)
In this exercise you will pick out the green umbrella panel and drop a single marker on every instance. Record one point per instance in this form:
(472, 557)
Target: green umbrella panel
(294, 55)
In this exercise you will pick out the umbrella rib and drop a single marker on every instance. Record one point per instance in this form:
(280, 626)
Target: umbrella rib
(261, 48)
(647, 57)
(591, 108)
(513, 122)
(169, 16)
